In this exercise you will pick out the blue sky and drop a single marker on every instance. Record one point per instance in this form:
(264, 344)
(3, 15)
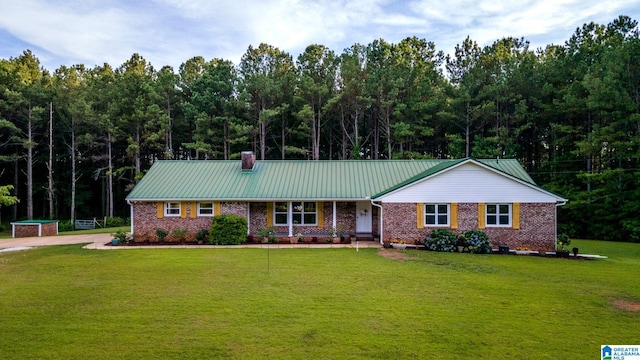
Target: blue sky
(169, 32)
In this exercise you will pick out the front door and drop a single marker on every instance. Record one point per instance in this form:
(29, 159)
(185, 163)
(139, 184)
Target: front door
(363, 217)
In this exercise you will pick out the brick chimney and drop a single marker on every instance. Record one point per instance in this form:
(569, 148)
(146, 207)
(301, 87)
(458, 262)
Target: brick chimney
(248, 160)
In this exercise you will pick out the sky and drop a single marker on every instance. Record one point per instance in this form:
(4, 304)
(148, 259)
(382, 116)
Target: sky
(169, 32)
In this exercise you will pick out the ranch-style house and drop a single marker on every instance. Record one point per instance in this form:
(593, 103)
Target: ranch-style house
(371, 199)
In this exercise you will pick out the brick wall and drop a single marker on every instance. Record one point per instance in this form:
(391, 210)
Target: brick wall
(400, 223)
(146, 221)
(537, 225)
(50, 229)
(24, 230)
(345, 218)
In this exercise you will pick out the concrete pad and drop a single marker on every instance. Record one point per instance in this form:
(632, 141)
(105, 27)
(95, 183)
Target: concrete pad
(17, 248)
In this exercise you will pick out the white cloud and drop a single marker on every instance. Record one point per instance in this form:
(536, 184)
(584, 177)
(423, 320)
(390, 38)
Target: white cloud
(172, 31)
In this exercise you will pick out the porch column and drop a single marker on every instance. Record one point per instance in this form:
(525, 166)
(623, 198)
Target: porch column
(248, 218)
(290, 216)
(333, 221)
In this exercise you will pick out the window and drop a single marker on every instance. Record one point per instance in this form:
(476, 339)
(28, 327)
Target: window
(498, 214)
(302, 213)
(436, 214)
(281, 213)
(172, 209)
(205, 209)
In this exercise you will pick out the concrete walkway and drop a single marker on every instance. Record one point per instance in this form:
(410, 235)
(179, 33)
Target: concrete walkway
(98, 241)
(29, 242)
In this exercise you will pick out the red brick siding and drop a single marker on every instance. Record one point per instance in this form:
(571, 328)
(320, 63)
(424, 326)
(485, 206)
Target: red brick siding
(234, 208)
(24, 230)
(345, 218)
(145, 222)
(50, 229)
(400, 223)
(537, 225)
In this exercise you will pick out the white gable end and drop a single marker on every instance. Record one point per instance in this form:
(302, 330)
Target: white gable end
(469, 183)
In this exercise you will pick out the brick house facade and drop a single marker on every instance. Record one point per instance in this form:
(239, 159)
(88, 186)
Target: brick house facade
(386, 199)
(536, 230)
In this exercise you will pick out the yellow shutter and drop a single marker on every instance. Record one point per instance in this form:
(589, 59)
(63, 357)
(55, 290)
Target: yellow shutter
(420, 215)
(269, 214)
(183, 209)
(516, 215)
(193, 210)
(320, 206)
(216, 208)
(160, 210)
(454, 215)
(481, 217)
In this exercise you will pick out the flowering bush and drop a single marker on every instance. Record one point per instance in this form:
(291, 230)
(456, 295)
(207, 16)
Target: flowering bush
(441, 240)
(478, 242)
(563, 240)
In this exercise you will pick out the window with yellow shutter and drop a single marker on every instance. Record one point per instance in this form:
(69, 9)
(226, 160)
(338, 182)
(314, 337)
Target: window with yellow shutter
(437, 214)
(172, 209)
(498, 215)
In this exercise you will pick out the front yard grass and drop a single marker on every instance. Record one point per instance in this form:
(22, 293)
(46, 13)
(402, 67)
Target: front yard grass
(64, 302)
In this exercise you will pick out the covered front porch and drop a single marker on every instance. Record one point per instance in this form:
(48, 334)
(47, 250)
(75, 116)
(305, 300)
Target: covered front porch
(318, 219)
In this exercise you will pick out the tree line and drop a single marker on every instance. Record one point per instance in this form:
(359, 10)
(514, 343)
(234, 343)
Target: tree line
(75, 141)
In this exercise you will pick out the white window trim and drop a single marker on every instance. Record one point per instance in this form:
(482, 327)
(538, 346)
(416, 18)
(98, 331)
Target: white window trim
(497, 215)
(290, 213)
(275, 213)
(200, 208)
(448, 224)
(167, 209)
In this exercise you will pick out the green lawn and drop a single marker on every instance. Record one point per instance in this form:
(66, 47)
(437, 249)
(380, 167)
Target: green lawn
(64, 302)
(6, 234)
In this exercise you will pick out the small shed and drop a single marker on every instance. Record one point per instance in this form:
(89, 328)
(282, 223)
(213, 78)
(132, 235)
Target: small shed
(29, 228)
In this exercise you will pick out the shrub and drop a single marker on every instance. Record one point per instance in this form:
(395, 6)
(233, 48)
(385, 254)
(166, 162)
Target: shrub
(563, 240)
(122, 236)
(441, 240)
(116, 221)
(161, 234)
(179, 233)
(66, 225)
(202, 235)
(268, 233)
(478, 242)
(228, 229)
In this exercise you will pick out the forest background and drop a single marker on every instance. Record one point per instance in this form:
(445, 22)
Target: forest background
(74, 142)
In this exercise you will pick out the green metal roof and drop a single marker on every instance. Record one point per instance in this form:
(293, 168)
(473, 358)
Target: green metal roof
(291, 179)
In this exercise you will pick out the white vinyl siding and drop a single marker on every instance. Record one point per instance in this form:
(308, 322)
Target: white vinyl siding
(469, 183)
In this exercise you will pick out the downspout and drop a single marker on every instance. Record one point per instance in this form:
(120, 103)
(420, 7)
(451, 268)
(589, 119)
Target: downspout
(130, 216)
(381, 218)
(558, 204)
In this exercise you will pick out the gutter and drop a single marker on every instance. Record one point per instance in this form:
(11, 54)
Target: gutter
(130, 216)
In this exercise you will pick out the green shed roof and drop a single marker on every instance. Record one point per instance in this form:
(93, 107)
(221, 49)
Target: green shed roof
(291, 179)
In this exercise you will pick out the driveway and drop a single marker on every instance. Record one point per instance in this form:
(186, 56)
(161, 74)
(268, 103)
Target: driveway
(53, 240)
